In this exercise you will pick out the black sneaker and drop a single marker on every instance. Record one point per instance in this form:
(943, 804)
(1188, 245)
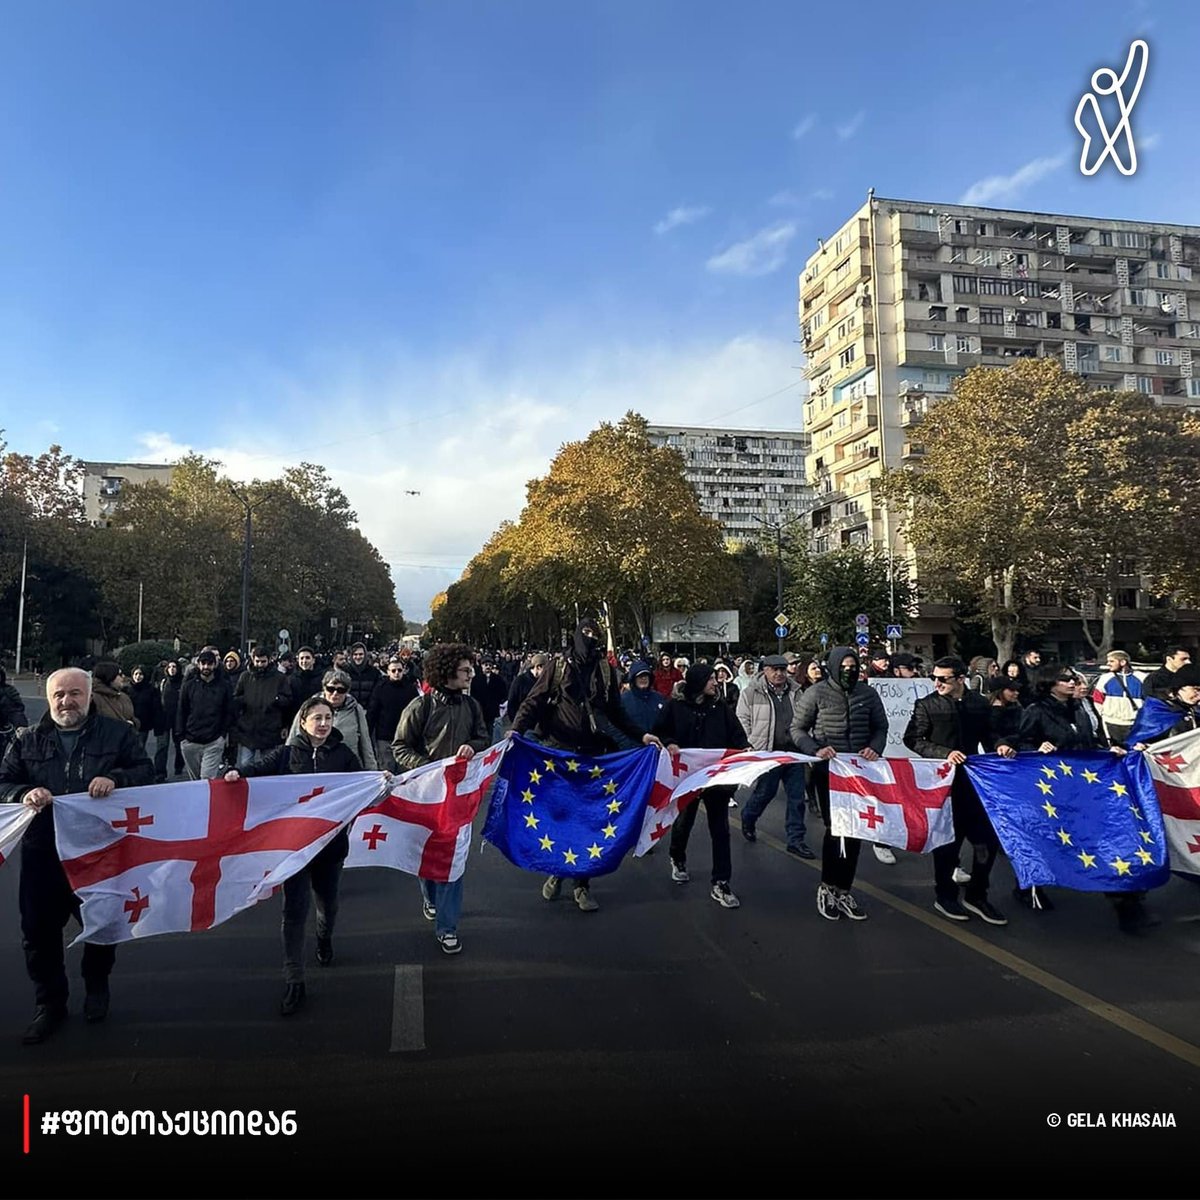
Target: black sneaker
(952, 910)
(95, 1006)
(46, 1019)
(748, 832)
(324, 951)
(293, 999)
(985, 912)
(801, 850)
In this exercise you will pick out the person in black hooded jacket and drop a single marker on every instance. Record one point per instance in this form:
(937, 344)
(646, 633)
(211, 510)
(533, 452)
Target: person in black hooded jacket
(317, 749)
(576, 705)
(702, 720)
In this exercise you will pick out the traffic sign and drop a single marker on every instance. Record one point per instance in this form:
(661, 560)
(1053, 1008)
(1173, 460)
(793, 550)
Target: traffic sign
(862, 621)
(284, 635)
(894, 633)
(862, 637)
(781, 631)
(782, 619)
(824, 639)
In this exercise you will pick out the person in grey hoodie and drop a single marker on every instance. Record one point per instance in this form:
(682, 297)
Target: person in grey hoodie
(840, 715)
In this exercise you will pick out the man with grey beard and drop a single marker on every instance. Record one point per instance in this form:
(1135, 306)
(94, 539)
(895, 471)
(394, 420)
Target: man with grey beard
(71, 749)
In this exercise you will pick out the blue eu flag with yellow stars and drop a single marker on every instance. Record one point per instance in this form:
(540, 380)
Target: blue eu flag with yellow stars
(567, 814)
(1087, 820)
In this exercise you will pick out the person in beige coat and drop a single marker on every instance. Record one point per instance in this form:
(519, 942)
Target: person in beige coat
(109, 699)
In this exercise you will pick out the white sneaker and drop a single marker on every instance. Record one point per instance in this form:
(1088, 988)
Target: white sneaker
(722, 894)
(884, 854)
(679, 872)
(960, 876)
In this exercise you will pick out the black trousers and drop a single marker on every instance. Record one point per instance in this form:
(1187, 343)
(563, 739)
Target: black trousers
(837, 870)
(47, 903)
(716, 808)
(971, 824)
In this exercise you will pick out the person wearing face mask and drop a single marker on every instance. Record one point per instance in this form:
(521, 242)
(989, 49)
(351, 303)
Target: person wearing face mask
(842, 714)
(204, 718)
(576, 705)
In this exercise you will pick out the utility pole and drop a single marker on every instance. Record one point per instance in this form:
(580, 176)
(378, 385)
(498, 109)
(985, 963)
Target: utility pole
(21, 607)
(778, 527)
(246, 544)
(140, 587)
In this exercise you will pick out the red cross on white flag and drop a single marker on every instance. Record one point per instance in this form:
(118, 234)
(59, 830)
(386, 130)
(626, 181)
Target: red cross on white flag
(901, 802)
(1175, 768)
(186, 856)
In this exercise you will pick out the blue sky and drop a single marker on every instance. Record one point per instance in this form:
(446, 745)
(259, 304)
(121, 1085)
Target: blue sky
(426, 243)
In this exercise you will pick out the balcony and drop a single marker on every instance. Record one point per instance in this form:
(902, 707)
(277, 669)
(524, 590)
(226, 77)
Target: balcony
(910, 451)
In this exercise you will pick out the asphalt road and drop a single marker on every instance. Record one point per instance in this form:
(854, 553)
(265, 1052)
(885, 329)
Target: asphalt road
(662, 1046)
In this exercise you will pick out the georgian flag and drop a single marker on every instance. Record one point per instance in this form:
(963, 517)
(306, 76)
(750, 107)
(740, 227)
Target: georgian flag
(14, 820)
(1175, 768)
(681, 778)
(901, 802)
(423, 825)
(183, 856)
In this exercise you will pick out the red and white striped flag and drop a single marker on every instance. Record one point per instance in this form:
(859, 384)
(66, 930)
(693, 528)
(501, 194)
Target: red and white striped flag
(1175, 767)
(901, 802)
(423, 825)
(681, 777)
(14, 820)
(183, 856)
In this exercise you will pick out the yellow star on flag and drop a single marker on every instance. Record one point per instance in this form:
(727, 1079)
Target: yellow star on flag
(1119, 788)
(1049, 773)
(531, 822)
(1146, 835)
(526, 797)
(546, 843)
(1146, 857)
(610, 787)
(594, 851)
(609, 830)
(1065, 768)
(614, 806)
(596, 772)
(572, 765)
(534, 777)
(1091, 776)
(1051, 811)
(549, 763)
(1120, 866)
(1065, 836)
(570, 856)
(1088, 860)
(1045, 788)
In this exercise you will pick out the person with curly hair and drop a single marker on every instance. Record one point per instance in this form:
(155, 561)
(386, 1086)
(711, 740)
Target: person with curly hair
(446, 722)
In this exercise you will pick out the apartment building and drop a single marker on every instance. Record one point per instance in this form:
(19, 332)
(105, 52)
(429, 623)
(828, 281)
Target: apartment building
(906, 296)
(747, 479)
(103, 481)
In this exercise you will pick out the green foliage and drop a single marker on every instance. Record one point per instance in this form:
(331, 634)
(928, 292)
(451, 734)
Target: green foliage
(149, 654)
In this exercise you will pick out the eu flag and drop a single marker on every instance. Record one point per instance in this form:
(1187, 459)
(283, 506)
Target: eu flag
(1088, 820)
(567, 814)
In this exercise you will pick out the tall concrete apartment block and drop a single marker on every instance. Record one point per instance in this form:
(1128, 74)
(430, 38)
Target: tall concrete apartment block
(906, 296)
(747, 479)
(103, 482)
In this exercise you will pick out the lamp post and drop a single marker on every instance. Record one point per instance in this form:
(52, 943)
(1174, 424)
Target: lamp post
(778, 526)
(249, 506)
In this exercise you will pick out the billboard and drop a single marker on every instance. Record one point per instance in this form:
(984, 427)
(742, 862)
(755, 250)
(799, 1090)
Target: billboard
(719, 626)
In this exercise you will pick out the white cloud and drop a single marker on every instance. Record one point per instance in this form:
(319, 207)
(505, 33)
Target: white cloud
(1149, 141)
(803, 126)
(822, 194)
(761, 254)
(683, 215)
(482, 431)
(1004, 188)
(850, 127)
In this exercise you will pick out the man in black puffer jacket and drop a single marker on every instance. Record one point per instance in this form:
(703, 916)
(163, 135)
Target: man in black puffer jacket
(839, 715)
(951, 723)
(701, 720)
(388, 701)
(364, 676)
(262, 701)
(70, 750)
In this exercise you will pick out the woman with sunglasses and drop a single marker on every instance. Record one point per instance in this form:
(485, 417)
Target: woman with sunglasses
(349, 718)
(315, 748)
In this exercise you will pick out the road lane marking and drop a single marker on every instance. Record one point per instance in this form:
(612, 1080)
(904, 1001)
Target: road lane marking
(408, 1009)
(1126, 1021)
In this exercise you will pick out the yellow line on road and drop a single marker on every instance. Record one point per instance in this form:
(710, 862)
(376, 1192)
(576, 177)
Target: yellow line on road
(1126, 1021)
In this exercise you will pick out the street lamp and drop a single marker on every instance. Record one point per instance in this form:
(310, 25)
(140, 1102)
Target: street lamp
(778, 526)
(249, 506)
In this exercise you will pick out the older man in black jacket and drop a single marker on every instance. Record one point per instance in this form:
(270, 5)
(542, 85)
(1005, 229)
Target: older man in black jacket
(951, 723)
(72, 749)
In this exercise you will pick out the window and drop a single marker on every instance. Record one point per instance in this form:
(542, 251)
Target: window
(817, 321)
(1089, 355)
(926, 221)
(1112, 353)
(1164, 358)
(841, 270)
(1133, 241)
(847, 326)
(1193, 388)
(1026, 318)
(982, 258)
(847, 356)
(1053, 320)
(983, 229)
(991, 285)
(963, 344)
(962, 226)
(1162, 270)
(842, 242)
(961, 315)
(1189, 329)
(937, 341)
(1145, 384)
(965, 283)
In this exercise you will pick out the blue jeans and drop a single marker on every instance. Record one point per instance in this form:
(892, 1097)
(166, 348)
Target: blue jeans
(765, 787)
(447, 899)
